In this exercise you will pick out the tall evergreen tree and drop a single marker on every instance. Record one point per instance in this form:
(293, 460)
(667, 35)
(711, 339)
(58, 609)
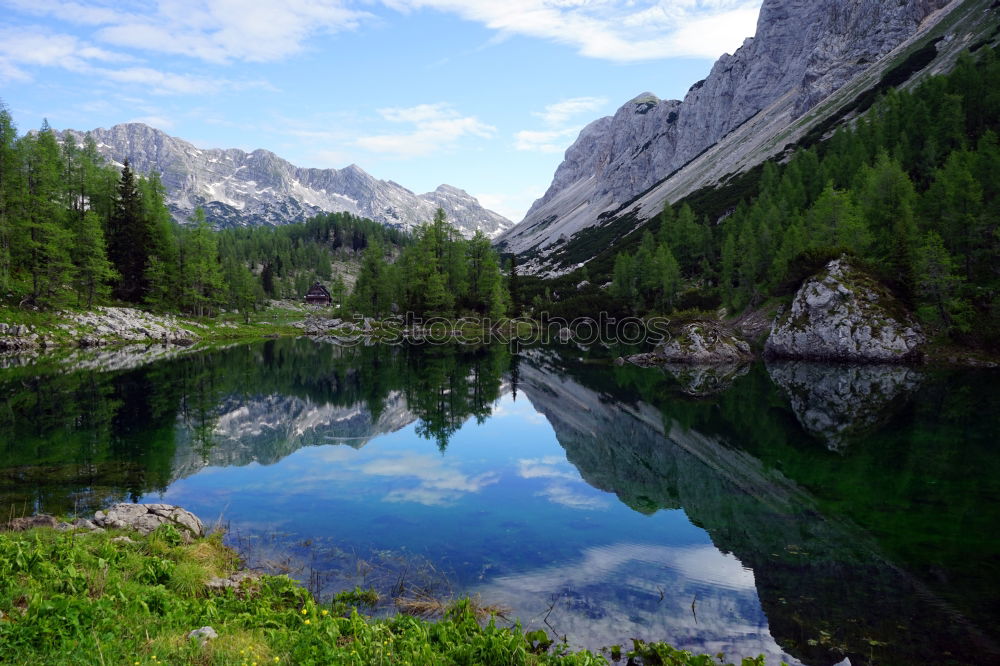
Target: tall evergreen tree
(128, 240)
(92, 272)
(44, 241)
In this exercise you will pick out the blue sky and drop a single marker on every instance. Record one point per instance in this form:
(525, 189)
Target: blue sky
(481, 94)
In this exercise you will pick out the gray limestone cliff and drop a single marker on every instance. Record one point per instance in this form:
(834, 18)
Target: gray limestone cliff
(237, 188)
(842, 314)
(803, 51)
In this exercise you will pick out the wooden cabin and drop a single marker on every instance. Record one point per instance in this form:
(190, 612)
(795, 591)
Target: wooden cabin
(318, 295)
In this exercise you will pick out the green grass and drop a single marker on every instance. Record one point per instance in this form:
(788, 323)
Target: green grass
(81, 598)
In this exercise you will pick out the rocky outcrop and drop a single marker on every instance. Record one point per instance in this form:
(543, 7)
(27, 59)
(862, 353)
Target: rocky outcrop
(802, 52)
(237, 189)
(144, 518)
(697, 343)
(109, 325)
(842, 314)
(20, 337)
(836, 402)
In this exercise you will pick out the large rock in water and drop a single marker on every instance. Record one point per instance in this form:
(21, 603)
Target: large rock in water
(698, 343)
(144, 518)
(842, 314)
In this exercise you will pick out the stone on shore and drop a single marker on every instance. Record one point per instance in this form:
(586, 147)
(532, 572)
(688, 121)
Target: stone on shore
(697, 343)
(144, 518)
(842, 314)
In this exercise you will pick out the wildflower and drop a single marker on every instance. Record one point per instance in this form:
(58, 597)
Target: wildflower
(308, 622)
(325, 612)
(276, 660)
(304, 611)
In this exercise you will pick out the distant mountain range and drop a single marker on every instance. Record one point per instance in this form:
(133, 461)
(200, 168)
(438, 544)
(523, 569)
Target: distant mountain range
(237, 189)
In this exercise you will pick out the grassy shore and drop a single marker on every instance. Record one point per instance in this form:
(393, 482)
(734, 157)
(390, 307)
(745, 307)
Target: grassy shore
(87, 598)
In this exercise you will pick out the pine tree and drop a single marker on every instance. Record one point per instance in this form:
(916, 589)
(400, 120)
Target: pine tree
(92, 272)
(834, 221)
(938, 286)
(728, 272)
(199, 273)
(887, 200)
(128, 242)
(668, 273)
(9, 189)
(372, 291)
(44, 242)
(513, 287)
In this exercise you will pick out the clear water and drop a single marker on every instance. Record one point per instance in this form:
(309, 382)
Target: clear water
(809, 513)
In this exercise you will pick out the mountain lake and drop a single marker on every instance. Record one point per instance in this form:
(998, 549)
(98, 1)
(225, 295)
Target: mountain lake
(811, 513)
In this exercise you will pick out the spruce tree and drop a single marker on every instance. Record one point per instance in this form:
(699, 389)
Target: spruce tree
(128, 242)
(44, 241)
(92, 272)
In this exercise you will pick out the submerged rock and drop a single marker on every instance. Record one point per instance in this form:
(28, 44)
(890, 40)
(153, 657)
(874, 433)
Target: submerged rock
(144, 518)
(836, 402)
(843, 314)
(697, 343)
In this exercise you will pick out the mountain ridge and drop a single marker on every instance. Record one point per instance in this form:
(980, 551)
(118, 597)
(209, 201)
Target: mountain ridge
(754, 103)
(239, 188)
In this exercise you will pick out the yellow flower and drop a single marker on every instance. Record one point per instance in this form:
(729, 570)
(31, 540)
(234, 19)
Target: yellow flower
(304, 611)
(308, 622)
(325, 612)
(276, 660)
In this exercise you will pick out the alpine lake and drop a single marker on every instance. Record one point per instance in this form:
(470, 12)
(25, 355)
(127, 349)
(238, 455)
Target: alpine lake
(817, 514)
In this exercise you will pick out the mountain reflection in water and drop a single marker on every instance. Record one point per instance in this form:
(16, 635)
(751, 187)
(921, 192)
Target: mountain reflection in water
(808, 512)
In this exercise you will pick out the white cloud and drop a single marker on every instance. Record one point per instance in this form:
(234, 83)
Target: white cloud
(545, 141)
(560, 112)
(557, 136)
(20, 49)
(75, 12)
(436, 127)
(159, 122)
(616, 30)
(213, 30)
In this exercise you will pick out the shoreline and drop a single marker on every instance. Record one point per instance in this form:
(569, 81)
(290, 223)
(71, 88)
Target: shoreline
(112, 328)
(145, 584)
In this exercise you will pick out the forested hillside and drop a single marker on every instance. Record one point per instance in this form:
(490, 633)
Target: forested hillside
(76, 231)
(912, 190)
(441, 274)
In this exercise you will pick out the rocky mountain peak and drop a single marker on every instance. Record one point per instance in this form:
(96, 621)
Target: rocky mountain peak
(237, 188)
(802, 52)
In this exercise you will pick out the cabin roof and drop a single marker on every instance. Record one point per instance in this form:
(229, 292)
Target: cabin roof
(318, 290)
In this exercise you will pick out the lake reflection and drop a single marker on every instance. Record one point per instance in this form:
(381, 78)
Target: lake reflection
(597, 502)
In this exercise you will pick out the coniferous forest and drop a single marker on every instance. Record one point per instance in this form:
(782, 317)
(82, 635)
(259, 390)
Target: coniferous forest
(76, 231)
(911, 190)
